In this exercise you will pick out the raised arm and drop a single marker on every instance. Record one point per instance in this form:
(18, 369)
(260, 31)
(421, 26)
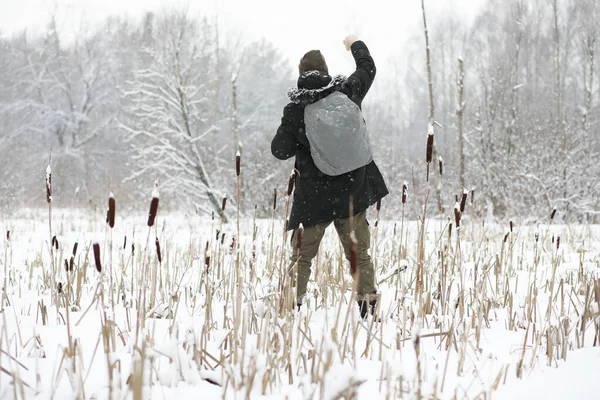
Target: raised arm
(360, 81)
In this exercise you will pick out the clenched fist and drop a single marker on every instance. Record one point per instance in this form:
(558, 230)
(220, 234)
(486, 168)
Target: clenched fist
(349, 40)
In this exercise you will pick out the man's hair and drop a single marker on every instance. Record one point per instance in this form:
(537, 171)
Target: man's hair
(313, 61)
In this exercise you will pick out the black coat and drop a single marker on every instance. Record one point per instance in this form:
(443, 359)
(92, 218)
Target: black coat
(319, 197)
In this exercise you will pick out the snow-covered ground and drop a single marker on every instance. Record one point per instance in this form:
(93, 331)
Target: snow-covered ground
(501, 315)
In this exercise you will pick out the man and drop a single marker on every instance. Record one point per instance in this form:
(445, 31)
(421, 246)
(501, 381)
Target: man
(333, 168)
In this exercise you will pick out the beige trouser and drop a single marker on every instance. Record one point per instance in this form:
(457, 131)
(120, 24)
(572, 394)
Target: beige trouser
(311, 239)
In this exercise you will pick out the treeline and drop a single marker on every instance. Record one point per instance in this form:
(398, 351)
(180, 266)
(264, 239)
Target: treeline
(173, 99)
(516, 94)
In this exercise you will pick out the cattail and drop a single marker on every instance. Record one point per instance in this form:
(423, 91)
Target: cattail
(510, 223)
(557, 242)
(60, 285)
(132, 249)
(75, 249)
(222, 238)
(552, 239)
(429, 154)
(274, 199)
(66, 265)
(224, 202)
(553, 213)
(404, 192)
(97, 257)
(463, 200)
(441, 164)
(506, 237)
(232, 246)
(112, 205)
(7, 235)
(217, 235)
(450, 231)
(378, 206)
(153, 206)
(457, 216)
(206, 256)
(212, 215)
(299, 235)
(49, 184)
(238, 158)
(71, 264)
(291, 183)
(353, 256)
(125, 242)
(472, 196)
(55, 242)
(157, 243)
(537, 237)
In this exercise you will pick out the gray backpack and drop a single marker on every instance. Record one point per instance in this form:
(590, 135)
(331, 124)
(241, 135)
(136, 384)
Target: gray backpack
(337, 134)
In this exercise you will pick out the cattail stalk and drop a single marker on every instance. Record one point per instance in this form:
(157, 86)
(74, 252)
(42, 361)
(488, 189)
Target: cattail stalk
(49, 201)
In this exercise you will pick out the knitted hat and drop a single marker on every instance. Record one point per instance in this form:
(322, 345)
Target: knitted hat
(313, 61)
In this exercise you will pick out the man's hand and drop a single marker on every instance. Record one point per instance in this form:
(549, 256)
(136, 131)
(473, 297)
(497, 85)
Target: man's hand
(349, 40)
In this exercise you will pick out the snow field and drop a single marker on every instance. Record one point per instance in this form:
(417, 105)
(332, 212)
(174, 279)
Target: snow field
(498, 313)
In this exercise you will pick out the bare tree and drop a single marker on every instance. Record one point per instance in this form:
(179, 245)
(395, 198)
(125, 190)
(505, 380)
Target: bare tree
(169, 114)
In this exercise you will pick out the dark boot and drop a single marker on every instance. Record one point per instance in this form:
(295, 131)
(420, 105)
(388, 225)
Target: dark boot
(367, 304)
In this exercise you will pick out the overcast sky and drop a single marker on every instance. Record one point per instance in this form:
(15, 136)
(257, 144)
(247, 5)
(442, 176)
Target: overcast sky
(294, 26)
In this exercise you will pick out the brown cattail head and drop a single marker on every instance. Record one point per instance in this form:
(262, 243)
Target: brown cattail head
(222, 238)
(506, 237)
(49, 184)
(353, 256)
(71, 264)
(378, 206)
(299, 236)
(441, 164)
(207, 255)
(153, 206)
(510, 224)
(450, 231)
(537, 237)
(132, 249)
(112, 206)
(291, 183)
(125, 242)
(233, 242)
(557, 242)
(55, 242)
(404, 192)
(158, 254)
(472, 196)
(457, 216)
(75, 249)
(238, 159)
(60, 285)
(97, 257)
(429, 154)
(274, 199)
(7, 235)
(224, 202)
(66, 265)
(463, 201)
(553, 213)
